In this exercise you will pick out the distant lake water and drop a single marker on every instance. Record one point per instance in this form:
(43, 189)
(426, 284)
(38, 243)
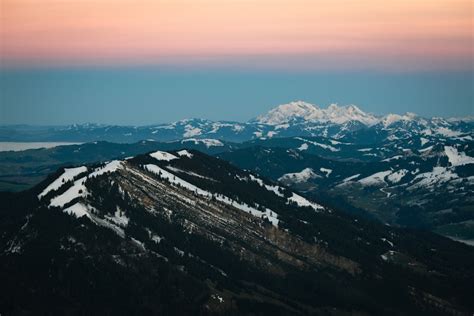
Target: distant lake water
(13, 146)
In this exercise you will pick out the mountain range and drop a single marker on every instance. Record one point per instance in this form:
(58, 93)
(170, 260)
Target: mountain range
(301, 211)
(400, 169)
(293, 119)
(181, 232)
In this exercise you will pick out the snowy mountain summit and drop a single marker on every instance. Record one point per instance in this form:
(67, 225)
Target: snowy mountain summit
(300, 110)
(296, 118)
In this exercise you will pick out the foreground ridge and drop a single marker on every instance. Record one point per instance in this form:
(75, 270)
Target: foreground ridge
(215, 239)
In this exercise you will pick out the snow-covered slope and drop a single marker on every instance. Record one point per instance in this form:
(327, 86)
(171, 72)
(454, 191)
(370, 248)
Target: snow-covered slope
(181, 169)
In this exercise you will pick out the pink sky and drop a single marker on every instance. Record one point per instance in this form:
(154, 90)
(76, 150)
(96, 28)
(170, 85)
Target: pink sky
(299, 34)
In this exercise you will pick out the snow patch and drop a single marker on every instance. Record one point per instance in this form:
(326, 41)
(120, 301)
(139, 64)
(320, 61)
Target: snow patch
(387, 241)
(457, 158)
(238, 128)
(273, 188)
(163, 155)
(395, 177)
(68, 175)
(351, 178)
(426, 149)
(193, 174)
(393, 118)
(109, 167)
(208, 142)
(78, 210)
(191, 131)
(326, 171)
(185, 153)
(77, 190)
(270, 134)
(444, 131)
(298, 177)
(119, 218)
(301, 201)
(393, 158)
(282, 126)
(303, 147)
(324, 146)
(375, 179)
(438, 176)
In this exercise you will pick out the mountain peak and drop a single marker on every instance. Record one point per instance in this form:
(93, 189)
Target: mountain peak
(290, 111)
(391, 118)
(342, 114)
(300, 104)
(306, 111)
(354, 108)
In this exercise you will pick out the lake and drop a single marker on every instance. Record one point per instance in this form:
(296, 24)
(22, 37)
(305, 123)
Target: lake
(14, 146)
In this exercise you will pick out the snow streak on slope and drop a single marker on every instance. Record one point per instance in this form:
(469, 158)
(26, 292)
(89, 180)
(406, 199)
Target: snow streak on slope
(78, 210)
(329, 147)
(78, 189)
(438, 176)
(272, 188)
(375, 179)
(348, 180)
(109, 167)
(68, 175)
(172, 178)
(301, 201)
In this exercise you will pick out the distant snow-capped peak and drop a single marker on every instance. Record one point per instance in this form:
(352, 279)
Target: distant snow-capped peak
(306, 111)
(342, 114)
(390, 119)
(287, 112)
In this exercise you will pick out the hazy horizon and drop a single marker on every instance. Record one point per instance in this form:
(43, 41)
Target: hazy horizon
(147, 62)
(139, 96)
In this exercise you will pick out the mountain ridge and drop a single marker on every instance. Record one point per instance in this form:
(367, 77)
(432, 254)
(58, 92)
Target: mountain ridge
(405, 176)
(193, 234)
(293, 119)
(309, 112)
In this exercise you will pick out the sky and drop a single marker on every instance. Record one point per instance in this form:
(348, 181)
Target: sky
(150, 61)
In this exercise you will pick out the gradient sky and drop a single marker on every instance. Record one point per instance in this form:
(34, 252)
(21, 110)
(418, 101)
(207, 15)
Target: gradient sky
(230, 59)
